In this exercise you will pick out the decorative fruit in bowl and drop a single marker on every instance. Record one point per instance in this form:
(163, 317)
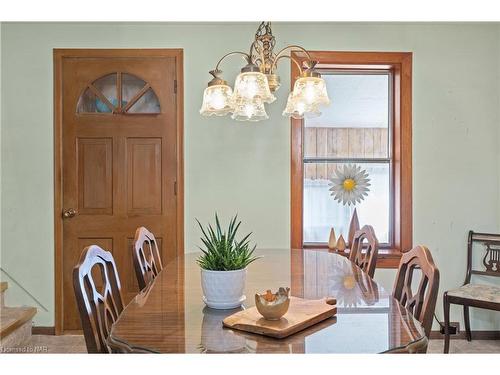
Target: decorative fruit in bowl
(272, 306)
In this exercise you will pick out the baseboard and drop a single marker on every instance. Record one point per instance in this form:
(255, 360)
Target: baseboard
(476, 335)
(39, 330)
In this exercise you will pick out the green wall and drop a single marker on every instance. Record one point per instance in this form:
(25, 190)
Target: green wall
(245, 168)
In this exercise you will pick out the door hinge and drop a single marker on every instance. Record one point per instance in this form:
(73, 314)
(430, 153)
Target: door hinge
(175, 86)
(175, 187)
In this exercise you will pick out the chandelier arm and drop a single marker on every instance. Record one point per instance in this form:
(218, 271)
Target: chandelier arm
(288, 57)
(258, 61)
(247, 56)
(280, 53)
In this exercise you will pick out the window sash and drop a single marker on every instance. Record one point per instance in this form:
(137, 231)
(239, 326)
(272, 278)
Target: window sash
(382, 245)
(385, 160)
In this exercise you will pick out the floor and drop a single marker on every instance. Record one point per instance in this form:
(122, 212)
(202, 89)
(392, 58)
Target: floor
(464, 346)
(76, 344)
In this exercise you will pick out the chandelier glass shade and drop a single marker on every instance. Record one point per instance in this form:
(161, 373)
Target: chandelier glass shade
(309, 93)
(250, 85)
(297, 108)
(217, 101)
(255, 85)
(311, 90)
(249, 109)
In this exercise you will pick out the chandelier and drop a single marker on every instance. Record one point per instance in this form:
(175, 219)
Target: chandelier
(258, 80)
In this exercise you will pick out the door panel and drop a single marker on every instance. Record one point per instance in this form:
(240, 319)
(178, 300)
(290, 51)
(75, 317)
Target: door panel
(119, 162)
(144, 176)
(95, 176)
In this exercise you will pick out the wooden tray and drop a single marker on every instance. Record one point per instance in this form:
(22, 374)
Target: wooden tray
(301, 314)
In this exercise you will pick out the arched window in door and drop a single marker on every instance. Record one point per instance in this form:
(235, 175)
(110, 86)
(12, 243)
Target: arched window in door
(119, 93)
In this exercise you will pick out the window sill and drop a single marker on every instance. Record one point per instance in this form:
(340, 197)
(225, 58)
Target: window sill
(387, 258)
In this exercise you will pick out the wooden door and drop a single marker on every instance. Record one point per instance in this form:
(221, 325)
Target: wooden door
(120, 142)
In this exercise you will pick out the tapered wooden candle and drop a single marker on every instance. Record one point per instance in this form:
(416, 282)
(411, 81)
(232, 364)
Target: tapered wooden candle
(332, 241)
(353, 227)
(341, 243)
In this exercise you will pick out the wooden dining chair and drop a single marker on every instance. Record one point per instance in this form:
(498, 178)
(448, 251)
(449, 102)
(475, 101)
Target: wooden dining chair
(147, 260)
(367, 259)
(99, 307)
(368, 288)
(422, 301)
(473, 294)
(417, 341)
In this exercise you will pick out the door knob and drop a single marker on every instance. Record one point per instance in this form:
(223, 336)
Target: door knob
(69, 213)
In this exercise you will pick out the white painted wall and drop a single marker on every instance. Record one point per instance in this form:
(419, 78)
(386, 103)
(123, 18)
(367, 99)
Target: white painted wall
(245, 168)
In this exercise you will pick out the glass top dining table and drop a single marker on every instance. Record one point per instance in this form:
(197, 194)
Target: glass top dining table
(169, 315)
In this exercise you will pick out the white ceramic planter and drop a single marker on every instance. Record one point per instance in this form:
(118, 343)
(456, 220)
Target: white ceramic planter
(223, 289)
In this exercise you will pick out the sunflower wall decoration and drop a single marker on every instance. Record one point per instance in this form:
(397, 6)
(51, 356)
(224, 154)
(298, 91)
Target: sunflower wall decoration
(350, 185)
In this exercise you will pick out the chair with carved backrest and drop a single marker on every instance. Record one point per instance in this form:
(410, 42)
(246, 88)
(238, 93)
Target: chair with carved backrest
(475, 295)
(367, 286)
(407, 326)
(365, 255)
(98, 309)
(421, 302)
(147, 260)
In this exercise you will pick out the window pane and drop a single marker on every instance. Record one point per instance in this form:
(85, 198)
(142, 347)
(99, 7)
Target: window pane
(322, 211)
(107, 86)
(356, 124)
(345, 142)
(87, 103)
(131, 85)
(90, 103)
(147, 103)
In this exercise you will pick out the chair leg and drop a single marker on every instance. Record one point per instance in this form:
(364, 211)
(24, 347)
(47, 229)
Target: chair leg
(446, 306)
(467, 323)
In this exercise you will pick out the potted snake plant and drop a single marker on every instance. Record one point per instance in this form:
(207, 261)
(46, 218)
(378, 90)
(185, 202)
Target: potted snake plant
(223, 264)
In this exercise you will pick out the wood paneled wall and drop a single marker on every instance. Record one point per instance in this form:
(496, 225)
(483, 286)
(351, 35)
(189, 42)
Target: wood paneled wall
(341, 143)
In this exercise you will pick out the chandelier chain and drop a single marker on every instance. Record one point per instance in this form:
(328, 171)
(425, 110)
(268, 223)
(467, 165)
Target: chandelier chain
(264, 47)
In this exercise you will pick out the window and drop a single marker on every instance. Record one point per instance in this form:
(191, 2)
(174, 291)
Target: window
(355, 129)
(367, 124)
(118, 93)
